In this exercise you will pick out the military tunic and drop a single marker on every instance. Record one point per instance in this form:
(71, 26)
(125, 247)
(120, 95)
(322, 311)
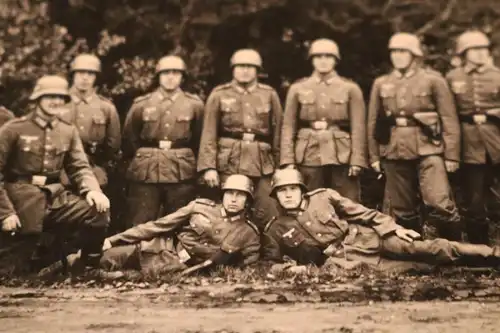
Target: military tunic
(5, 115)
(410, 159)
(477, 93)
(189, 236)
(324, 132)
(161, 137)
(98, 124)
(329, 223)
(33, 151)
(241, 135)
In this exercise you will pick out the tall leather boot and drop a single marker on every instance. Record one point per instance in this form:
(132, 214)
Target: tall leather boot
(477, 231)
(410, 222)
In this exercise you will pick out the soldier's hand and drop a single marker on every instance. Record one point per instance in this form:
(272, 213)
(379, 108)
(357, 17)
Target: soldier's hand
(376, 166)
(106, 245)
(451, 166)
(99, 200)
(211, 178)
(354, 171)
(407, 234)
(11, 223)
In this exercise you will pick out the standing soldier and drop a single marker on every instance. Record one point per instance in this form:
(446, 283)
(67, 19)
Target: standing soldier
(414, 131)
(241, 132)
(161, 136)
(324, 125)
(94, 116)
(33, 151)
(476, 86)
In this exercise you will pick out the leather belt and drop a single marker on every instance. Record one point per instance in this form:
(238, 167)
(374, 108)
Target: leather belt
(319, 125)
(402, 121)
(474, 119)
(39, 180)
(245, 136)
(166, 144)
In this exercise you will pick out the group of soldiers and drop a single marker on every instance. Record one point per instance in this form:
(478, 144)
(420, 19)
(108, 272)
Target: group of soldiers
(288, 179)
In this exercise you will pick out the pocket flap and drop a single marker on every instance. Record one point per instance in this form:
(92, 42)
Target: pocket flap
(98, 120)
(150, 114)
(341, 135)
(307, 97)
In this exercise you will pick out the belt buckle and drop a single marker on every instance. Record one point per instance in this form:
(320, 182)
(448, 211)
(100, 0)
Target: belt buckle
(401, 121)
(250, 137)
(38, 180)
(319, 125)
(479, 119)
(165, 144)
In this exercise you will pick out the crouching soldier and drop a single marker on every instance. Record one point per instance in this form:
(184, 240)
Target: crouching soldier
(322, 223)
(201, 234)
(34, 149)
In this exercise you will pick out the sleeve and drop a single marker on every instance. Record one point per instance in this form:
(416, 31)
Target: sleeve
(8, 138)
(358, 127)
(276, 125)
(131, 131)
(271, 250)
(354, 212)
(373, 110)
(449, 118)
(152, 229)
(113, 134)
(197, 126)
(207, 156)
(245, 241)
(289, 128)
(77, 166)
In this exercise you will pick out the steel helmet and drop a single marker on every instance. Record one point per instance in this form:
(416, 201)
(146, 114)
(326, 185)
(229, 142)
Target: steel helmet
(86, 62)
(239, 183)
(50, 85)
(471, 39)
(324, 46)
(284, 177)
(170, 63)
(246, 57)
(406, 41)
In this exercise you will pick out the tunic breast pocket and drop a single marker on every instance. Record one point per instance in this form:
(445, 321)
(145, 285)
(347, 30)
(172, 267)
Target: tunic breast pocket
(150, 123)
(340, 110)
(230, 109)
(307, 100)
(388, 96)
(183, 125)
(424, 100)
(98, 129)
(60, 152)
(263, 112)
(30, 153)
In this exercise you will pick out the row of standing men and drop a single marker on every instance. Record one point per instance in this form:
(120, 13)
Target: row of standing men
(416, 130)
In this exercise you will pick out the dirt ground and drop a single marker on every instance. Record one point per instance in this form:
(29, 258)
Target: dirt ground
(157, 310)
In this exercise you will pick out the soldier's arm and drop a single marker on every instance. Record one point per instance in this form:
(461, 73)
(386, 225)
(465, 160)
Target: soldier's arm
(8, 139)
(197, 126)
(271, 250)
(358, 127)
(77, 166)
(373, 110)
(113, 133)
(207, 156)
(277, 118)
(449, 118)
(245, 241)
(354, 212)
(289, 127)
(152, 229)
(131, 131)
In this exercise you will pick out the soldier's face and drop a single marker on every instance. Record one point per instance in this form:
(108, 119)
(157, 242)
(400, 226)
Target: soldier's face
(478, 56)
(170, 80)
(401, 59)
(289, 196)
(84, 80)
(51, 104)
(245, 73)
(234, 201)
(324, 63)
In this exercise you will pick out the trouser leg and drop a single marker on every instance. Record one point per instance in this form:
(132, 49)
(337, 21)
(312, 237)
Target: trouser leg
(314, 176)
(178, 195)
(264, 207)
(121, 257)
(143, 203)
(340, 181)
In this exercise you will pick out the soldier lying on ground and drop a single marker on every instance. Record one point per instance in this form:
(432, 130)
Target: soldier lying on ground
(202, 233)
(322, 224)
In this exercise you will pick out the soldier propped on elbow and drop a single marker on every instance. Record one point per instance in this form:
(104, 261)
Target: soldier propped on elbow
(414, 136)
(241, 132)
(34, 149)
(476, 88)
(324, 125)
(161, 138)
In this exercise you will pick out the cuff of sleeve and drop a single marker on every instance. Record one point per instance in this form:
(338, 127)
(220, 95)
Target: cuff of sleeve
(383, 230)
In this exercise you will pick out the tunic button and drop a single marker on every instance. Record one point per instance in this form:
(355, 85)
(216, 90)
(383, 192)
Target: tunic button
(308, 223)
(81, 127)
(167, 125)
(168, 112)
(45, 162)
(319, 235)
(247, 104)
(205, 244)
(300, 213)
(295, 243)
(217, 231)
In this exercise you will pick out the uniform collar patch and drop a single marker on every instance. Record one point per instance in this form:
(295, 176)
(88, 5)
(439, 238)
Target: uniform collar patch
(327, 79)
(44, 123)
(244, 90)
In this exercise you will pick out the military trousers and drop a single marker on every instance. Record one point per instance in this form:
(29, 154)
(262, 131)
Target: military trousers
(332, 176)
(479, 183)
(264, 208)
(145, 200)
(410, 181)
